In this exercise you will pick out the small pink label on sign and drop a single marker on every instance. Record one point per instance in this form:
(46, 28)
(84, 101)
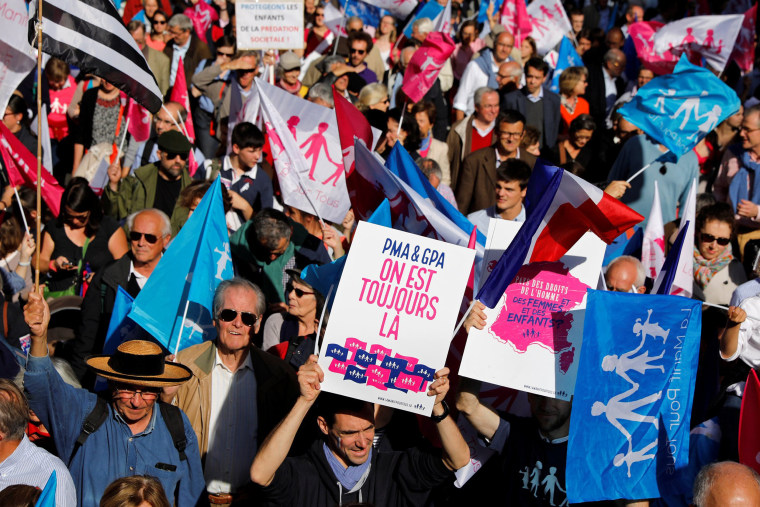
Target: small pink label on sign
(410, 382)
(338, 367)
(410, 361)
(380, 351)
(374, 382)
(379, 373)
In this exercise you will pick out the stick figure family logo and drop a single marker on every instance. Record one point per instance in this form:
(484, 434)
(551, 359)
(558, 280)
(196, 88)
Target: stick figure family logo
(531, 480)
(624, 406)
(688, 106)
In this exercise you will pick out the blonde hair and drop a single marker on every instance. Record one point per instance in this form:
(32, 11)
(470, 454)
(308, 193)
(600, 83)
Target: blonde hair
(569, 78)
(371, 94)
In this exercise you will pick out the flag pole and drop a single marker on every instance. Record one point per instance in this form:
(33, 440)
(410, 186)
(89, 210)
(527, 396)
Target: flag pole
(647, 166)
(39, 148)
(464, 317)
(321, 319)
(342, 23)
(401, 119)
(21, 208)
(181, 327)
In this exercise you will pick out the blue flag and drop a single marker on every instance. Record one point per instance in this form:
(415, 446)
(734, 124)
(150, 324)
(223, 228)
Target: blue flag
(628, 243)
(401, 164)
(47, 497)
(629, 426)
(679, 109)
(325, 276)
(176, 303)
(567, 57)
(429, 10)
(664, 280)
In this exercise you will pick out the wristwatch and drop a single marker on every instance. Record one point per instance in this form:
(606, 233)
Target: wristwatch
(444, 415)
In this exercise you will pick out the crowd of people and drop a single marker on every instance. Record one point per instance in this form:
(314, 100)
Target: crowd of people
(241, 420)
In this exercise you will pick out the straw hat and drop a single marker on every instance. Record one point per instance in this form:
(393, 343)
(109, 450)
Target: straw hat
(140, 363)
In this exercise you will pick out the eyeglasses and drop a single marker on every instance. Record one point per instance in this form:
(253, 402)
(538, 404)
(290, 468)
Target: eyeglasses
(358, 51)
(171, 155)
(709, 238)
(136, 236)
(128, 394)
(81, 217)
(228, 315)
(747, 130)
(228, 55)
(157, 22)
(298, 292)
(510, 134)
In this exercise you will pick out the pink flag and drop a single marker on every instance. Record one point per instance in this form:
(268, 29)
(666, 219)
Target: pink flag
(22, 169)
(202, 15)
(139, 121)
(426, 64)
(744, 49)
(643, 34)
(749, 418)
(179, 94)
(515, 18)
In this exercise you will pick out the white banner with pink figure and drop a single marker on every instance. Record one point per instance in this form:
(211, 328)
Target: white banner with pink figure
(393, 316)
(708, 37)
(306, 152)
(16, 59)
(549, 23)
(533, 336)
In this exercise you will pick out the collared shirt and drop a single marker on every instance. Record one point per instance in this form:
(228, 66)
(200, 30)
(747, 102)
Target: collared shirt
(32, 465)
(179, 52)
(254, 186)
(610, 90)
(140, 279)
(534, 98)
(233, 427)
(482, 218)
(112, 451)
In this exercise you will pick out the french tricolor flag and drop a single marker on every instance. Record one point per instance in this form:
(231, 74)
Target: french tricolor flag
(561, 208)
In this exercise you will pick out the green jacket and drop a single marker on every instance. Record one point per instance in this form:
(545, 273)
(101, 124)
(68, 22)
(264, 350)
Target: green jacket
(136, 192)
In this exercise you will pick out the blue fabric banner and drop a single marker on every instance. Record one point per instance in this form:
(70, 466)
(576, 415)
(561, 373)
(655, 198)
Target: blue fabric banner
(629, 428)
(567, 57)
(175, 304)
(679, 109)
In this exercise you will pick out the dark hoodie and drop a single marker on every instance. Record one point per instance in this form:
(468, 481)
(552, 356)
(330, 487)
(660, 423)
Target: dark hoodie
(395, 479)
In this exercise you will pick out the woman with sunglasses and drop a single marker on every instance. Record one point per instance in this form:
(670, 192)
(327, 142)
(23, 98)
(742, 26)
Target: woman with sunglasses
(157, 37)
(319, 35)
(291, 335)
(80, 241)
(716, 272)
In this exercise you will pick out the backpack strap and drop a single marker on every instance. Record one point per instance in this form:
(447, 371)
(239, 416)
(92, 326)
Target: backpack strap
(5, 319)
(91, 423)
(176, 426)
(149, 144)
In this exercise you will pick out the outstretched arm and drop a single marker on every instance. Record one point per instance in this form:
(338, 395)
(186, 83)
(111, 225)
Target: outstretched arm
(456, 453)
(275, 448)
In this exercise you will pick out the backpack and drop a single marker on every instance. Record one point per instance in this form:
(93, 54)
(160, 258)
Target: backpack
(172, 417)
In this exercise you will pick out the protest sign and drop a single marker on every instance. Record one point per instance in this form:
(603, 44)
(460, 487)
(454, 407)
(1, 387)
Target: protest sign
(269, 24)
(393, 316)
(532, 339)
(629, 426)
(16, 60)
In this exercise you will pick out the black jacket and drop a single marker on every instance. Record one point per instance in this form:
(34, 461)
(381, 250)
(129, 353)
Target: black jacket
(395, 479)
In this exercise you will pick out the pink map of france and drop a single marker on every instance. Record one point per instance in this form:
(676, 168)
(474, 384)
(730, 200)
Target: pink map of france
(537, 310)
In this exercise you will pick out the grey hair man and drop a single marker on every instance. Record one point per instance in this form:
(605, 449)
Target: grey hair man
(321, 93)
(228, 372)
(625, 274)
(726, 484)
(22, 462)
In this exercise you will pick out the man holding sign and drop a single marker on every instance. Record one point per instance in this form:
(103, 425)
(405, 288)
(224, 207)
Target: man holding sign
(347, 468)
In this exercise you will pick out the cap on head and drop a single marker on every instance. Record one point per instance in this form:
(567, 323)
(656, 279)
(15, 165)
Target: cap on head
(289, 61)
(173, 141)
(141, 363)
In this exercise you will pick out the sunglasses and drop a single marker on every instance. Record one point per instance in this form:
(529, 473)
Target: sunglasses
(228, 55)
(298, 292)
(157, 22)
(709, 238)
(358, 51)
(228, 315)
(171, 155)
(136, 236)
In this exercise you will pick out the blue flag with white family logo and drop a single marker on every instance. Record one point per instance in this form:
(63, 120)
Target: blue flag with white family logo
(679, 109)
(567, 57)
(629, 427)
(176, 303)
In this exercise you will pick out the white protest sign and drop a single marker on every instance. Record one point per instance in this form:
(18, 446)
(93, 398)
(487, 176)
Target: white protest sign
(394, 312)
(532, 339)
(269, 24)
(16, 58)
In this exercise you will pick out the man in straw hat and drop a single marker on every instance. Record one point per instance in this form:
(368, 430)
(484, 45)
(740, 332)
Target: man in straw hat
(131, 435)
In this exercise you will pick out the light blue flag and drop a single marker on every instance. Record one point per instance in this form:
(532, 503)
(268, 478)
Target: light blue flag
(629, 426)
(679, 109)
(323, 277)
(402, 165)
(429, 10)
(176, 303)
(567, 57)
(47, 497)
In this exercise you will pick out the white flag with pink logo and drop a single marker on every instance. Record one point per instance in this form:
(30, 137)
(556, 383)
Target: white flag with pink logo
(516, 20)
(643, 34)
(708, 37)
(683, 283)
(549, 23)
(399, 8)
(653, 244)
(306, 150)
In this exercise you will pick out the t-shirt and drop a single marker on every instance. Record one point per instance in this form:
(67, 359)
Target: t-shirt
(167, 193)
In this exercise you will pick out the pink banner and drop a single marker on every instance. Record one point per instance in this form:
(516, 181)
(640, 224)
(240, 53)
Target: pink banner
(643, 39)
(426, 64)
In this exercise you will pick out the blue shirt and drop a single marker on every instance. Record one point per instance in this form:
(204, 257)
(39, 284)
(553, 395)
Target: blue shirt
(254, 185)
(482, 218)
(112, 451)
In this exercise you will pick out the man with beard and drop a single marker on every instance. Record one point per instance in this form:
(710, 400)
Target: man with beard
(154, 185)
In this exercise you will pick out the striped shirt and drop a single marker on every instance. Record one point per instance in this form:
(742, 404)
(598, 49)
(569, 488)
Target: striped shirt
(32, 465)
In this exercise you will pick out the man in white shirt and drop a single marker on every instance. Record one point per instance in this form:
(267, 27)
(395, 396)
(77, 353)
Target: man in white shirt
(237, 394)
(22, 462)
(482, 71)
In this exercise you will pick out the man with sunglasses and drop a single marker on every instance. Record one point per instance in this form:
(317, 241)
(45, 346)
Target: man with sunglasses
(152, 186)
(149, 235)
(359, 46)
(237, 393)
